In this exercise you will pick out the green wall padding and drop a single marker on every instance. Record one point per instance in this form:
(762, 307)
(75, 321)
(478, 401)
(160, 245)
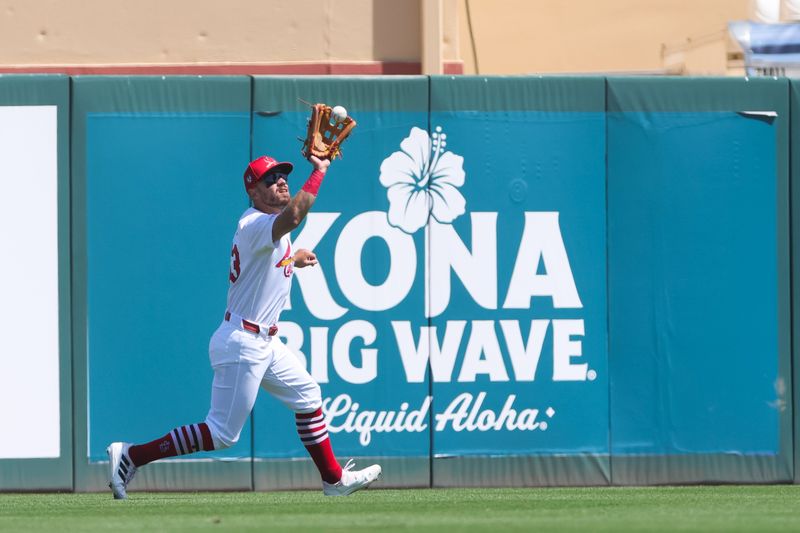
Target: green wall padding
(157, 166)
(534, 162)
(607, 259)
(324, 309)
(699, 280)
(48, 474)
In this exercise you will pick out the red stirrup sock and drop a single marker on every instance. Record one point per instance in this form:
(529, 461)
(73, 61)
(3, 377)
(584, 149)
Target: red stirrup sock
(179, 441)
(314, 434)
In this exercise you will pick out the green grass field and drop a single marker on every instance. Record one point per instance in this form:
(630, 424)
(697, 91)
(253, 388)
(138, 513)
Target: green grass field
(725, 508)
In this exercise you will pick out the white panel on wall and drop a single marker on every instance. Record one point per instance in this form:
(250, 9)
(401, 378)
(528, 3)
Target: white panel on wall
(29, 350)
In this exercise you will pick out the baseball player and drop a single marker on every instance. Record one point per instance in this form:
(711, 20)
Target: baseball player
(245, 351)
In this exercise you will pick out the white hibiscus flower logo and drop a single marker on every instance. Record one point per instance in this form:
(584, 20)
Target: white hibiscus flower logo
(422, 179)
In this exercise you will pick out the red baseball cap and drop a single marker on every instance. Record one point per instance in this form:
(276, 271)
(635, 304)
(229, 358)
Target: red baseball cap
(260, 167)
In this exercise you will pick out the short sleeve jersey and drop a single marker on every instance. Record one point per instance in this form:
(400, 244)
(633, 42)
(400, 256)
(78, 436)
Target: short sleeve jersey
(261, 269)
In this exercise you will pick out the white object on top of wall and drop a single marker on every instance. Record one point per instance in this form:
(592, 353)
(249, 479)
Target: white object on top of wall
(790, 10)
(765, 11)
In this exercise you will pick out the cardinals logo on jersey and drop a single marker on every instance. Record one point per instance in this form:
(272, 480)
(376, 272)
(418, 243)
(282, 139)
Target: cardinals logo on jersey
(287, 263)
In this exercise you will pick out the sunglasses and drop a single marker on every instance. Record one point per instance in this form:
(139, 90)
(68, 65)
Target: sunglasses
(273, 177)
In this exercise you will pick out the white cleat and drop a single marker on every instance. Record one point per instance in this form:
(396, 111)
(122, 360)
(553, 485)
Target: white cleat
(121, 469)
(352, 480)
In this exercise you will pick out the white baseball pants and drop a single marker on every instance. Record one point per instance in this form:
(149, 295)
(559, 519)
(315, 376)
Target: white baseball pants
(243, 361)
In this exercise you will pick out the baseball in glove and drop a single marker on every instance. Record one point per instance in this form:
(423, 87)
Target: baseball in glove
(326, 132)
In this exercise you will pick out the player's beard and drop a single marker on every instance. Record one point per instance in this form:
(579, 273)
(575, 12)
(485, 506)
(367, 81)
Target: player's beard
(282, 201)
(282, 198)
(279, 200)
(271, 203)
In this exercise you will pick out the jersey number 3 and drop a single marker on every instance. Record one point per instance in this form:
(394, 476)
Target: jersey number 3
(235, 267)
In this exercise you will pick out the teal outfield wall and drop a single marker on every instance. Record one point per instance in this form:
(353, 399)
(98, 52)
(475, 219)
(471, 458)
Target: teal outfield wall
(698, 203)
(522, 281)
(51, 473)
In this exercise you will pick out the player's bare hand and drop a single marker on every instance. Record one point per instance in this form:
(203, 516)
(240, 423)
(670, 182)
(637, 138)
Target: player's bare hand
(304, 258)
(319, 164)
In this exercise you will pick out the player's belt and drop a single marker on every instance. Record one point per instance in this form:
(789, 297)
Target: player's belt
(251, 326)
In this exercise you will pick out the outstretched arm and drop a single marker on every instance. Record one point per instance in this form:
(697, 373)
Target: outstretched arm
(298, 207)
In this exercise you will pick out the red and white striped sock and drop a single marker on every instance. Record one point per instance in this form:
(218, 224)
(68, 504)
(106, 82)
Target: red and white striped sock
(179, 441)
(314, 434)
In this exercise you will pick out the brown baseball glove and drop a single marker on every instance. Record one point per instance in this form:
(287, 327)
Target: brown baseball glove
(325, 134)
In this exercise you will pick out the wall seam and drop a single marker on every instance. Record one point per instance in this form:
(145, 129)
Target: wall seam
(608, 286)
(253, 410)
(429, 318)
(792, 379)
(71, 281)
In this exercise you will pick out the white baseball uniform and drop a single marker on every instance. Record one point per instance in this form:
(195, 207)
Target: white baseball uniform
(245, 352)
